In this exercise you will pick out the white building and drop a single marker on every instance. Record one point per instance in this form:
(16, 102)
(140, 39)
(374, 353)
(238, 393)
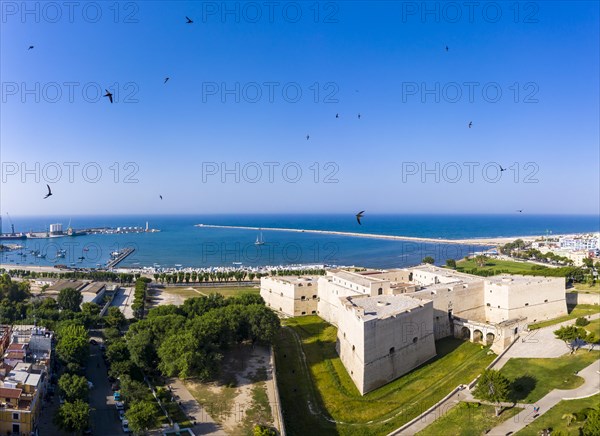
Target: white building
(291, 296)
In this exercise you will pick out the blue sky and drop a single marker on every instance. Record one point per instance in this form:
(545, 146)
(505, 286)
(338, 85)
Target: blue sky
(366, 60)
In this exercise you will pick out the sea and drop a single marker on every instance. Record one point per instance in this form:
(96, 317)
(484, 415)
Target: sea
(181, 244)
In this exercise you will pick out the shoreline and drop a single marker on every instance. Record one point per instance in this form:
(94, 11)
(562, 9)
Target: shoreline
(472, 241)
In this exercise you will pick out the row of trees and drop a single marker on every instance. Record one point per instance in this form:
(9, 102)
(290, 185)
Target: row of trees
(72, 349)
(103, 276)
(199, 277)
(296, 272)
(139, 302)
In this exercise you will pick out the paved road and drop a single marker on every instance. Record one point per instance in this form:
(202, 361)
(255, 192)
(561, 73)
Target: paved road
(590, 387)
(205, 424)
(104, 417)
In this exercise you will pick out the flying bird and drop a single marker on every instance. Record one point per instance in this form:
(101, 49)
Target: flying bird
(160, 197)
(520, 210)
(307, 137)
(446, 48)
(189, 21)
(166, 80)
(359, 215)
(359, 116)
(470, 124)
(30, 47)
(502, 169)
(49, 192)
(109, 95)
(337, 115)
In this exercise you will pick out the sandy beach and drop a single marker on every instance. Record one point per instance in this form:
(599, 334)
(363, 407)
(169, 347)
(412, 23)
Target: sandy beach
(474, 241)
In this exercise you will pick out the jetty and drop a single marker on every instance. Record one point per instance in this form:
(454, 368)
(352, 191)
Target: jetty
(122, 254)
(474, 241)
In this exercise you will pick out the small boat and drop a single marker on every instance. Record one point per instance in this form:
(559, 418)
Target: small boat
(81, 258)
(259, 239)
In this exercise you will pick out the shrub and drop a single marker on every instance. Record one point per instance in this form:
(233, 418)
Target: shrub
(581, 321)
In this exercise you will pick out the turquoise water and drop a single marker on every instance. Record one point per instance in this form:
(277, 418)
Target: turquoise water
(181, 243)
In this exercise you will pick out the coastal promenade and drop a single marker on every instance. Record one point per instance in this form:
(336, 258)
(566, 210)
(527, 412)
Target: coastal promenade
(475, 241)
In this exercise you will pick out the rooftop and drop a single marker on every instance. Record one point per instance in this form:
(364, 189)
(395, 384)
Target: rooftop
(382, 306)
(445, 272)
(356, 278)
(296, 280)
(506, 279)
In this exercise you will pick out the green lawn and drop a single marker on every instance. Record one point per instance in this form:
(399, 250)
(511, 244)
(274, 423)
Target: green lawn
(226, 291)
(574, 312)
(594, 327)
(468, 419)
(311, 400)
(553, 418)
(507, 266)
(587, 288)
(532, 379)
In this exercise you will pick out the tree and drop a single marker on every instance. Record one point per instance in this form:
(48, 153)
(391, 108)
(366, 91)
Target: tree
(142, 416)
(133, 390)
(115, 318)
(481, 260)
(74, 387)
(493, 387)
(592, 424)
(70, 299)
(117, 351)
(573, 336)
(142, 349)
(262, 430)
(73, 417)
(428, 259)
(451, 263)
(73, 346)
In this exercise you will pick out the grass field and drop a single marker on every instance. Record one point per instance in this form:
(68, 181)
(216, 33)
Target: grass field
(468, 419)
(226, 291)
(594, 327)
(574, 312)
(534, 378)
(589, 289)
(553, 418)
(312, 400)
(509, 266)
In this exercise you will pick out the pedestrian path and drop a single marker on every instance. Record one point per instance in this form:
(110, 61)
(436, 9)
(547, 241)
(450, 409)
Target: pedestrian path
(205, 425)
(591, 386)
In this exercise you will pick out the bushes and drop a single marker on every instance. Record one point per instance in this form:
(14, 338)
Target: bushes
(581, 321)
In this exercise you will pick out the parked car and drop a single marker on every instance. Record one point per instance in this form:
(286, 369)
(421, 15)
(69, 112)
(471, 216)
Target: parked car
(117, 396)
(125, 426)
(62, 400)
(119, 405)
(90, 385)
(121, 415)
(115, 386)
(93, 342)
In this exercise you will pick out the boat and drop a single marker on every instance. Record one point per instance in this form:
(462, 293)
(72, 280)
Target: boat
(81, 258)
(259, 239)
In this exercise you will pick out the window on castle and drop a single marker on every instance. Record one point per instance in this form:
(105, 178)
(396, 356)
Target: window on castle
(526, 304)
(415, 339)
(392, 350)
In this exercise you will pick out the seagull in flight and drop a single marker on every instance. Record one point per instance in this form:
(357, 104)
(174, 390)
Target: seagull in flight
(166, 80)
(502, 169)
(359, 215)
(307, 137)
(188, 20)
(337, 115)
(160, 197)
(470, 124)
(49, 192)
(446, 48)
(109, 95)
(520, 210)
(359, 116)
(30, 47)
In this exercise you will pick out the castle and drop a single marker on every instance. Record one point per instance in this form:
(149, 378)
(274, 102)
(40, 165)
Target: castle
(388, 320)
